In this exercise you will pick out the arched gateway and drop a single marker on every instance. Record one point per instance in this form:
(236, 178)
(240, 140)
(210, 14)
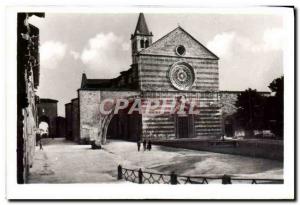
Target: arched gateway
(118, 124)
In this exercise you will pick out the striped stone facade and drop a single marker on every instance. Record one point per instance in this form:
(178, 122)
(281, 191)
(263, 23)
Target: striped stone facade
(154, 64)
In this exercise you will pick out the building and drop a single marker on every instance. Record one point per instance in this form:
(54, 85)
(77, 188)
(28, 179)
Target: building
(68, 115)
(75, 120)
(60, 127)
(28, 72)
(176, 66)
(72, 121)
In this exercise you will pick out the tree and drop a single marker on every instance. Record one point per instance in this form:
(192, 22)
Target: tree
(250, 110)
(274, 107)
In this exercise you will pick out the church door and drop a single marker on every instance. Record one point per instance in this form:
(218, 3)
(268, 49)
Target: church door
(185, 126)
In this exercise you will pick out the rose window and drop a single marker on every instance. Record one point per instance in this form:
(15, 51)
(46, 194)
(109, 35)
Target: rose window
(182, 76)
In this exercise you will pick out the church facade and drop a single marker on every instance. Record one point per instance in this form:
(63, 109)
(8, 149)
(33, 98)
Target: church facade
(176, 66)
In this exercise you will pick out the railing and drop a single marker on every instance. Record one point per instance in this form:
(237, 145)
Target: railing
(145, 177)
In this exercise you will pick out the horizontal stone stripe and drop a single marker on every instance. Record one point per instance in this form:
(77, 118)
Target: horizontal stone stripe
(168, 64)
(164, 121)
(171, 95)
(208, 123)
(207, 115)
(163, 80)
(209, 128)
(208, 112)
(149, 68)
(158, 127)
(208, 79)
(210, 108)
(172, 132)
(206, 83)
(205, 132)
(165, 124)
(149, 120)
(162, 130)
(206, 88)
(211, 118)
(207, 73)
(168, 83)
(212, 134)
(156, 75)
(175, 59)
(164, 77)
(212, 130)
(155, 119)
(169, 122)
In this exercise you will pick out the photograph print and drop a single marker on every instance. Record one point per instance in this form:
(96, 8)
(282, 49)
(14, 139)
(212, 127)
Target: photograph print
(158, 98)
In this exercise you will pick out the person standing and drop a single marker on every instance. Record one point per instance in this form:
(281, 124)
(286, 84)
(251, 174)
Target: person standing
(144, 145)
(41, 145)
(149, 145)
(139, 145)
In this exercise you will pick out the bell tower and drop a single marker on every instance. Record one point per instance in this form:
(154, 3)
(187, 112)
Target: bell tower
(141, 38)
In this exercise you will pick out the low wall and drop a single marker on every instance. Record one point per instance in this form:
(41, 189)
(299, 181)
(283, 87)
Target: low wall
(270, 149)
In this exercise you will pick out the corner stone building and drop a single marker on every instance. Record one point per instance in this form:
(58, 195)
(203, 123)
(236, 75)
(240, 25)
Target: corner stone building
(175, 66)
(28, 78)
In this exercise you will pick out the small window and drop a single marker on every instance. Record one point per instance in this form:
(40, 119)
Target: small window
(142, 44)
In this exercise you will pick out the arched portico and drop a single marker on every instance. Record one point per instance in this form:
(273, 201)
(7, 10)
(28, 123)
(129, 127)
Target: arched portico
(105, 118)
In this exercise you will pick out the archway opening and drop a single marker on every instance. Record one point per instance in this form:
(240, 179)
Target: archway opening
(44, 127)
(124, 126)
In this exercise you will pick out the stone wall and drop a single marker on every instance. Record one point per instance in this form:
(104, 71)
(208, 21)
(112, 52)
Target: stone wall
(89, 111)
(153, 73)
(68, 115)
(60, 127)
(206, 124)
(28, 72)
(75, 120)
(252, 148)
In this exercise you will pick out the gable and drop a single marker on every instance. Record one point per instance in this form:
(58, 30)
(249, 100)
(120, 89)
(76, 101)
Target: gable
(166, 46)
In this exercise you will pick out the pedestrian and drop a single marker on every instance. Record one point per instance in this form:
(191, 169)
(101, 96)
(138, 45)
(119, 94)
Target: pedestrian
(139, 145)
(144, 145)
(149, 145)
(41, 145)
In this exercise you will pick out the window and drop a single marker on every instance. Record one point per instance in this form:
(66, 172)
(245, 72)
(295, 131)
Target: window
(180, 50)
(142, 43)
(147, 44)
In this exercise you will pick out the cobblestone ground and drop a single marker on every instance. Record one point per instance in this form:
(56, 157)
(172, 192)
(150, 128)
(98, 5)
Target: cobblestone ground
(62, 161)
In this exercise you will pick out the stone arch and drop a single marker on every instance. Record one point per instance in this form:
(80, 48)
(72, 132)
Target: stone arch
(44, 118)
(106, 120)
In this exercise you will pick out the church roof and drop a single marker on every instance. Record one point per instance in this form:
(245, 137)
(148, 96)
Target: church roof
(48, 100)
(96, 83)
(141, 26)
(166, 46)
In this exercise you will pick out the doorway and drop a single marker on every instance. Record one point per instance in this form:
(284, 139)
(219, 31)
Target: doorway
(185, 126)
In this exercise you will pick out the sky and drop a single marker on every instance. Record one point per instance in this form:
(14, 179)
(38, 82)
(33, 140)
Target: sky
(250, 47)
